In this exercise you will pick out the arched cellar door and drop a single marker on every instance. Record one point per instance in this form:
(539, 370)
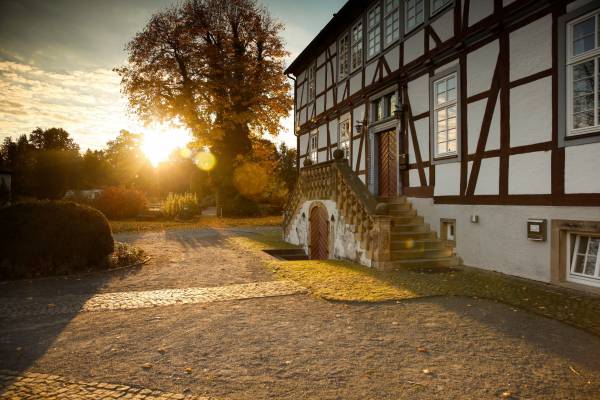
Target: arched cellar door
(319, 234)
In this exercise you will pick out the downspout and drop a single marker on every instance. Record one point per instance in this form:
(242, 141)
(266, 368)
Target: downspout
(297, 137)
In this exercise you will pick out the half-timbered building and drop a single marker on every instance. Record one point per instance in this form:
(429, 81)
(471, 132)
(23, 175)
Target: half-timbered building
(433, 132)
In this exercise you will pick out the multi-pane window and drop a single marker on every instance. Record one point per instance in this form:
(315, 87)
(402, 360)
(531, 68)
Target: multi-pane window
(414, 13)
(344, 50)
(314, 146)
(357, 46)
(374, 31)
(344, 139)
(444, 115)
(384, 106)
(585, 257)
(437, 5)
(583, 74)
(311, 83)
(391, 21)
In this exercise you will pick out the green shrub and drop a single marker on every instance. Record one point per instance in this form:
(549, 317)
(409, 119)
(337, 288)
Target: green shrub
(118, 202)
(52, 238)
(240, 206)
(181, 205)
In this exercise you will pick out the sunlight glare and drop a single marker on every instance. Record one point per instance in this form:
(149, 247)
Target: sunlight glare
(160, 141)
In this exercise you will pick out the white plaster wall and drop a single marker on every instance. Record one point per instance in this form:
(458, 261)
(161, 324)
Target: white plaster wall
(530, 173)
(582, 164)
(446, 66)
(418, 93)
(447, 179)
(413, 46)
(320, 104)
(356, 82)
(370, 71)
(531, 113)
(480, 67)
(355, 147)
(413, 177)
(321, 58)
(342, 242)
(479, 9)
(489, 176)
(340, 89)
(392, 57)
(320, 80)
(322, 135)
(321, 156)
(330, 98)
(531, 48)
(499, 241)
(333, 130)
(358, 114)
(444, 25)
(576, 4)
(422, 128)
(475, 113)
(303, 143)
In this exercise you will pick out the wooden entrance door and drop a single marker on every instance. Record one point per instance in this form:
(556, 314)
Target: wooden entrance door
(387, 164)
(319, 234)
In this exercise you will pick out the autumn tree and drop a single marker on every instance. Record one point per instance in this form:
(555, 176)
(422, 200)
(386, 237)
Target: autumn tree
(218, 67)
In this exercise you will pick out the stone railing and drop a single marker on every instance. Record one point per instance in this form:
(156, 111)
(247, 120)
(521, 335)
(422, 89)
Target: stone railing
(334, 180)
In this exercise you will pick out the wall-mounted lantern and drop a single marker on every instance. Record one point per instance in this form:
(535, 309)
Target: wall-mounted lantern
(399, 111)
(359, 126)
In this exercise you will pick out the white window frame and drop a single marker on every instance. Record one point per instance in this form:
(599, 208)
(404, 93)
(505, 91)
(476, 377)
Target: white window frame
(445, 106)
(571, 61)
(356, 46)
(417, 22)
(344, 56)
(311, 81)
(443, 6)
(374, 31)
(345, 140)
(573, 243)
(391, 12)
(313, 141)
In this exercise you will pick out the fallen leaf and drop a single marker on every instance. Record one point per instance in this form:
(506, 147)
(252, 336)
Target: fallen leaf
(51, 305)
(421, 349)
(506, 395)
(188, 370)
(574, 370)
(162, 351)
(426, 371)
(147, 366)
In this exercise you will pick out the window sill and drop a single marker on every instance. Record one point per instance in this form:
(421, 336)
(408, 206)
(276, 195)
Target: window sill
(443, 159)
(580, 139)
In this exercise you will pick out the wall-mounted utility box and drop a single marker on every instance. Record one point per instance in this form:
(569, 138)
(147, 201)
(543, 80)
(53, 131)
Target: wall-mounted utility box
(537, 229)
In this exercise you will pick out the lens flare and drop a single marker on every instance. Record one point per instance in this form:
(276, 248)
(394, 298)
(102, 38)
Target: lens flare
(160, 141)
(251, 179)
(205, 161)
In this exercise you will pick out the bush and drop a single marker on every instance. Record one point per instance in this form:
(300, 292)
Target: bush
(182, 206)
(240, 206)
(52, 238)
(118, 202)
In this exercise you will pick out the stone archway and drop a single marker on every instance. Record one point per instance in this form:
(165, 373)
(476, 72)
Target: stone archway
(319, 233)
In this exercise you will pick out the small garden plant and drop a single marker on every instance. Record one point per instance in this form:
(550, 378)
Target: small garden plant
(181, 205)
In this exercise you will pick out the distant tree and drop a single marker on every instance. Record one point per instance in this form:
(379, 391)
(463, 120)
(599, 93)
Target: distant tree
(19, 157)
(4, 192)
(52, 139)
(218, 67)
(128, 164)
(94, 170)
(287, 168)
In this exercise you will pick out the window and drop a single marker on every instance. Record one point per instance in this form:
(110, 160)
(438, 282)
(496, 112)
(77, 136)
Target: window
(584, 258)
(344, 56)
(445, 115)
(391, 22)
(374, 32)
(384, 106)
(413, 10)
(314, 146)
(437, 5)
(448, 231)
(583, 75)
(357, 46)
(311, 83)
(344, 136)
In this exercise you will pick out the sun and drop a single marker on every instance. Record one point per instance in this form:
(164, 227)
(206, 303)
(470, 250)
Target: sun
(160, 141)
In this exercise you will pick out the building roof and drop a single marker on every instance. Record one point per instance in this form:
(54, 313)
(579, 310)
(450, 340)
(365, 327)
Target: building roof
(339, 22)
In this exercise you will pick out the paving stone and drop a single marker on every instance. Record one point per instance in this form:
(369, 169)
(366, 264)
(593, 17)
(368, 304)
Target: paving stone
(12, 307)
(44, 386)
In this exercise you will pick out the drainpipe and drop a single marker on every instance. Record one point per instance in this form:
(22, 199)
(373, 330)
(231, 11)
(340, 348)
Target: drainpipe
(297, 137)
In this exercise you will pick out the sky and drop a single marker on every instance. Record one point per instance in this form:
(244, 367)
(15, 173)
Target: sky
(57, 56)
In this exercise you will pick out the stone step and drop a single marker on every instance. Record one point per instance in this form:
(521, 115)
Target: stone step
(397, 228)
(409, 219)
(451, 261)
(393, 200)
(419, 254)
(399, 235)
(402, 213)
(394, 207)
(411, 244)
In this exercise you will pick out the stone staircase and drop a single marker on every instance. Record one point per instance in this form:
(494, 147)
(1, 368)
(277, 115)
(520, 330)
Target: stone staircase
(389, 231)
(412, 242)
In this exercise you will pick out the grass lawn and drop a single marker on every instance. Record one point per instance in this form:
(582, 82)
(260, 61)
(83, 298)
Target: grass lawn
(347, 281)
(200, 222)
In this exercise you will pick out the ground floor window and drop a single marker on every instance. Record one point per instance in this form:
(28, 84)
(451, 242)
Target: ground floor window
(584, 259)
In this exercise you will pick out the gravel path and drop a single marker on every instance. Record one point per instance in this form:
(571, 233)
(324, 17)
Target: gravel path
(297, 346)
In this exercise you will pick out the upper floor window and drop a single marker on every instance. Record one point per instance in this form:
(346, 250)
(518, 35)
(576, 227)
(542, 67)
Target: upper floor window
(374, 31)
(344, 55)
(344, 136)
(311, 83)
(384, 107)
(414, 13)
(314, 146)
(437, 5)
(583, 74)
(391, 22)
(445, 104)
(357, 46)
